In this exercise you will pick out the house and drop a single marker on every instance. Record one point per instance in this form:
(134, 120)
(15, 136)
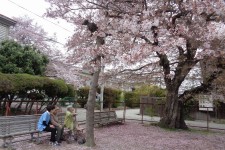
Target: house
(5, 23)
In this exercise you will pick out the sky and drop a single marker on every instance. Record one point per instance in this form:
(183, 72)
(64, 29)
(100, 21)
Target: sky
(33, 9)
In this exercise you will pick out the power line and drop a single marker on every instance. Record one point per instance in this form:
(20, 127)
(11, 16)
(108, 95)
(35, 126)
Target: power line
(47, 38)
(39, 16)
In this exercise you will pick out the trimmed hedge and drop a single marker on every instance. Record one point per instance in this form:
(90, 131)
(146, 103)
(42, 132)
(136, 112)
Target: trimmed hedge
(131, 99)
(55, 88)
(20, 83)
(110, 96)
(82, 96)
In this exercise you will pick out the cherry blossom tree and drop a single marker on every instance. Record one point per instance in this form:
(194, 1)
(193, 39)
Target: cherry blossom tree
(27, 32)
(146, 38)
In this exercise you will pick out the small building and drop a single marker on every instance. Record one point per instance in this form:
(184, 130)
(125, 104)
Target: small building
(5, 23)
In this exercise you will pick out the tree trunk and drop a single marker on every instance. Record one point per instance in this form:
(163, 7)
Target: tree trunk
(173, 113)
(31, 106)
(90, 110)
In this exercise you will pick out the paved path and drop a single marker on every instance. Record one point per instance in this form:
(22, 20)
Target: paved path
(134, 114)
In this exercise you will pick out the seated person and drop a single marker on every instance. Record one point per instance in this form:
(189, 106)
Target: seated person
(55, 122)
(44, 124)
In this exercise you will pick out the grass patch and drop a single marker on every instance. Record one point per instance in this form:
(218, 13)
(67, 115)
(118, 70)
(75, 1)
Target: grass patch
(203, 131)
(219, 121)
(191, 130)
(156, 124)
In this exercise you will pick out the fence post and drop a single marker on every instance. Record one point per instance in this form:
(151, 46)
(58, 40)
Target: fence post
(124, 111)
(109, 106)
(75, 103)
(7, 109)
(101, 106)
(37, 107)
(142, 113)
(207, 119)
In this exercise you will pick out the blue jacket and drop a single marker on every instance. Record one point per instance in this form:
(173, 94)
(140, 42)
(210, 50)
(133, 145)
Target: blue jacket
(44, 117)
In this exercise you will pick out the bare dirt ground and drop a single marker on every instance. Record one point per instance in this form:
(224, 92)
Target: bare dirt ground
(135, 136)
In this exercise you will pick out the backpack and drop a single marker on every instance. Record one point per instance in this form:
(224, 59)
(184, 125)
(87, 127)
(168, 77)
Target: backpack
(81, 140)
(79, 137)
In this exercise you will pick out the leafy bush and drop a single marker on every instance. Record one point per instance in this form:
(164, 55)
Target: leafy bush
(65, 100)
(150, 90)
(189, 106)
(82, 96)
(16, 58)
(111, 96)
(131, 99)
(25, 82)
(150, 111)
(55, 88)
(6, 85)
(71, 90)
(22, 83)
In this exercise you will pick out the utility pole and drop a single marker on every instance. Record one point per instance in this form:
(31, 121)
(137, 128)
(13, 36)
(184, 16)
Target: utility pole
(102, 88)
(101, 97)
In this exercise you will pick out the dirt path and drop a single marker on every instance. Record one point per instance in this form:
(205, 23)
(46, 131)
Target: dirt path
(135, 136)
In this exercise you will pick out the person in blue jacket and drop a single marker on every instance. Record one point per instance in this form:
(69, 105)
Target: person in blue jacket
(44, 124)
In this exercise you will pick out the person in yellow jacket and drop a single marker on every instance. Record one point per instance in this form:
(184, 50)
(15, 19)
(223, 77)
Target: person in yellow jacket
(70, 119)
(74, 131)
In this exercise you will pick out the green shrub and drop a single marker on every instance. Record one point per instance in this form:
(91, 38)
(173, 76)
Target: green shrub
(70, 100)
(150, 111)
(6, 85)
(16, 58)
(131, 99)
(97, 106)
(111, 96)
(82, 96)
(55, 88)
(150, 90)
(71, 91)
(24, 82)
(189, 106)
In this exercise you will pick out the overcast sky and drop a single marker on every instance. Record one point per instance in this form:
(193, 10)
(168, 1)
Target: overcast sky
(12, 8)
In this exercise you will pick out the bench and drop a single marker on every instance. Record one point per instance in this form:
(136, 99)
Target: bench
(12, 126)
(105, 118)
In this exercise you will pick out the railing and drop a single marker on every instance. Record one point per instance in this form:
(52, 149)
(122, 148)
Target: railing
(125, 112)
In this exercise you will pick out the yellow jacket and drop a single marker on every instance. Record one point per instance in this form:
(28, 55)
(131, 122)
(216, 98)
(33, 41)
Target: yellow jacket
(69, 122)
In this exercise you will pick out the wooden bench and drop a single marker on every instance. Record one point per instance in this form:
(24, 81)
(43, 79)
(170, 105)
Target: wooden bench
(105, 118)
(13, 126)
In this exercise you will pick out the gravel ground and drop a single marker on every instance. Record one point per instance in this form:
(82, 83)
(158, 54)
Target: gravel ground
(135, 136)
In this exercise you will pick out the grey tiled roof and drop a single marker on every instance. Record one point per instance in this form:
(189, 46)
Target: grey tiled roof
(7, 21)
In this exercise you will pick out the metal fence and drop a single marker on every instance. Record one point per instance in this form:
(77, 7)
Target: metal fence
(209, 118)
(147, 112)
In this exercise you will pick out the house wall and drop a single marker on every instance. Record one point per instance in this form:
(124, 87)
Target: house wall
(4, 32)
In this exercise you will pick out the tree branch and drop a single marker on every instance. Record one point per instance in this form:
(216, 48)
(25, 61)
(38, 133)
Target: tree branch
(203, 88)
(137, 69)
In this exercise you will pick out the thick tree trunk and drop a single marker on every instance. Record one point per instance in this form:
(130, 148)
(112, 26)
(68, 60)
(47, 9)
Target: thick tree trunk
(90, 110)
(173, 112)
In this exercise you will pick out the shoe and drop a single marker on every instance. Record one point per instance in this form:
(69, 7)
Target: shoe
(62, 139)
(56, 144)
